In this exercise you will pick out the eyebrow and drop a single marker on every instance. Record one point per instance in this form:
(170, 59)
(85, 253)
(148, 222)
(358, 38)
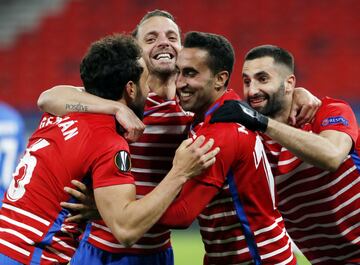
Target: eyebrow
(154, 32)
(257, 74)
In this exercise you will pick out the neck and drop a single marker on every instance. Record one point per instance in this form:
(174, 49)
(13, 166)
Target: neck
(163, 86)
(283, 115)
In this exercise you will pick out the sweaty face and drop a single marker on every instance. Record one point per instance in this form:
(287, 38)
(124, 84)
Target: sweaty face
(195, 81)
(141, 93)
(264, 85)
(159, 38)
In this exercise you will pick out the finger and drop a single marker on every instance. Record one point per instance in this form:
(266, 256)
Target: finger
(210, 155)
(73, 206)
(75, 219)
(206, 147)
(76, 194)
(81, 186)
(209, 163)
(199, 141)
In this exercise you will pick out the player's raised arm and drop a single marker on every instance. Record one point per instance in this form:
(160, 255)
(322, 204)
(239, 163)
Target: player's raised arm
(63, 99)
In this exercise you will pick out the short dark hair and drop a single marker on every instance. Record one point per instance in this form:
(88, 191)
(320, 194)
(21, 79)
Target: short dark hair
(221, 53)
(153, 13)
(280, 55)
(109, 64)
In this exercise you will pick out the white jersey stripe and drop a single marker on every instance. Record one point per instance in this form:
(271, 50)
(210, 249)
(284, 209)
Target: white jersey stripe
(304, 250)
(272, 240)
(303, 180)
(26, 213)
(224, 241)
(344, 218)
(286, 162)
(276, 252)
(300, 194)
(61, 255)
(62, 243)
(13, 247)
(333, 197)
(314, 261)
(166, 129)
(219, 202)
(334, 210)
(343, 233)
(173, 114)
(22, 225)
(17, 234)
(281, 178)
(50, 259)
(217, 215)
(101, 227)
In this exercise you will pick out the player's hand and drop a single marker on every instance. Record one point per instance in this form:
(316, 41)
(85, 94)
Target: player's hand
(303, 108)
(85, 209)
(194, 156)
(240, 112)
(133, 126)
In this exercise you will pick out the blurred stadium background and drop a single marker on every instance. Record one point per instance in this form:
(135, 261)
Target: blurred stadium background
(42, 42)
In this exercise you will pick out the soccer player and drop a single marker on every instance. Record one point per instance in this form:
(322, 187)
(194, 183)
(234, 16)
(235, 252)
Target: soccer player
(166, 126)
(88, 147)
(317, 168)
(234, 198)
(12, 144)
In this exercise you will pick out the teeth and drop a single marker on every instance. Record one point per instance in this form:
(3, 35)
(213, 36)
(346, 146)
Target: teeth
(163, 56)
(185, 94)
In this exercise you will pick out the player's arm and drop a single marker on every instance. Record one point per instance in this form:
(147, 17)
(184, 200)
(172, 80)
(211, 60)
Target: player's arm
(63, 99)
(192, 200)
(128, 218)
(326, 150)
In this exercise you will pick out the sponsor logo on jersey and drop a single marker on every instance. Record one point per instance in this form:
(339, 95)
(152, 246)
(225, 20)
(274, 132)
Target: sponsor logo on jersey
(335, 121)
(123, 161)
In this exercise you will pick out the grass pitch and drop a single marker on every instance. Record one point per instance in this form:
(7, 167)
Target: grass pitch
(189, 249)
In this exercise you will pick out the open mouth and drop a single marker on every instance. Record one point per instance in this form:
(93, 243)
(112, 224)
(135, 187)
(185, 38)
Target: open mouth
(257, 101)
(163, 57)
(185, 96)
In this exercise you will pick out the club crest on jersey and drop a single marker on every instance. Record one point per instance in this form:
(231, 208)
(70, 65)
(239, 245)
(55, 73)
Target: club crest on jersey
(335, 121)
(123, 161)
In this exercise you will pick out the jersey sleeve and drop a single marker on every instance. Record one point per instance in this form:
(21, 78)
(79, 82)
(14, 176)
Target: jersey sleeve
(336, 115)
(111, 162)
(225, 137)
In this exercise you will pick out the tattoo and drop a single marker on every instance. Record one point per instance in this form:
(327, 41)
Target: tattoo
(77, 107)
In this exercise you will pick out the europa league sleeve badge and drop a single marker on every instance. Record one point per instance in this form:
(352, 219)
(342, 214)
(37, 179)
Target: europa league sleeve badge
(123, 161)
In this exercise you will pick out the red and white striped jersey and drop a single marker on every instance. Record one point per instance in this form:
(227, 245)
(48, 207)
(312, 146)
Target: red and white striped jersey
(321, 209)
(151, 156)
(241, 224)
(77, 146)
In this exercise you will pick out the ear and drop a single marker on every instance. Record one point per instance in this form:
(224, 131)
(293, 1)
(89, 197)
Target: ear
(130, 90)
(220, 79)
(290, 83)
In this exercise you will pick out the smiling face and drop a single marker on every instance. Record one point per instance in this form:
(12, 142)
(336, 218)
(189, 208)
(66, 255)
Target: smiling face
(195, 83)
(159, 39)
(267, 85)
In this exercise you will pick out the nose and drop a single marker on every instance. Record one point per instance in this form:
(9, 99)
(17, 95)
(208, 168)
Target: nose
(251, 89)
(180, 81)
(163, 40)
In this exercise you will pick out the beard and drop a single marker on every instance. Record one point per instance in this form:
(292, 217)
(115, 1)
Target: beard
(138, 106)
(275, 103)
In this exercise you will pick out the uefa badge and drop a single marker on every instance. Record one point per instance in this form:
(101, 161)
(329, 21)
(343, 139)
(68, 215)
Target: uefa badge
(123, 161)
